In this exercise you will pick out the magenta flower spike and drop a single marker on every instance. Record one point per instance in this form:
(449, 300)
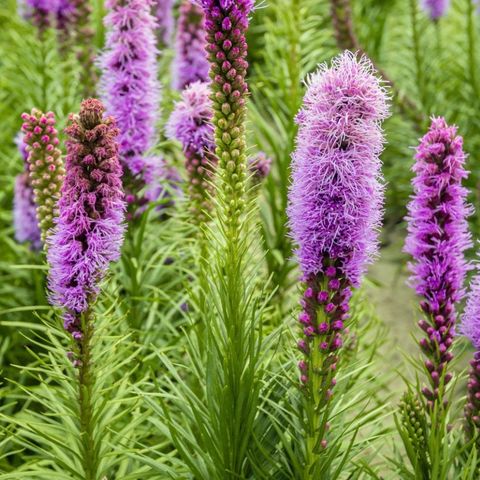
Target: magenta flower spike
(191, 124)
(470, 327)
(190, 63)
(41, 13)
(89, 230)
(437, 238)
(335, 210)
(130, 85)
(435, 9)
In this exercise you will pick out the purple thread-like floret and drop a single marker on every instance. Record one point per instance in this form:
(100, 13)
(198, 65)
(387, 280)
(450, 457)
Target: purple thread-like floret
(191, 63)
(335, 201)
(89, 230)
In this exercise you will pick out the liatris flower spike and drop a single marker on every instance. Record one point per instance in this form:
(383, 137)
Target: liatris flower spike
(470, 327)
(130, 85)
(190, 64)
(259, 167)
(437, 238)
(335, 209)
(226, 22)
(89, 230)
(191, 124)
(435, 9)
(45, 165)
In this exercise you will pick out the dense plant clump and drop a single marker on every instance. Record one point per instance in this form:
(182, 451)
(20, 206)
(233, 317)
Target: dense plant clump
(214, 270)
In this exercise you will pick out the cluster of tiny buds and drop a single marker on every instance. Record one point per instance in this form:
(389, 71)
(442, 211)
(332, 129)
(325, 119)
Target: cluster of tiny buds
(46, 170)
(440, 333)
(412, 415)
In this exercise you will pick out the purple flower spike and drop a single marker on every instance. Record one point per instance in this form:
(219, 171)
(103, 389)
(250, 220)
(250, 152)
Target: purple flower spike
(438, 236)
(129, 83)
(435, 9)
(89, 231)
(24, 213)
(191, 63)
(335, 207)
(191, 124)
(336, 198)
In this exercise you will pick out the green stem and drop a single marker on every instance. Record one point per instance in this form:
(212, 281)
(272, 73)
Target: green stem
(86, 381)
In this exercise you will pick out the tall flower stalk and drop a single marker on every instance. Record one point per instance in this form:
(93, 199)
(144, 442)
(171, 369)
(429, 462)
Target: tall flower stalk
(437, 238)
(335, 208)
(165, 22)
(190, 63)
(41, 13)
(130, 86)
(45, 165)
(191, 124)
(87, 237)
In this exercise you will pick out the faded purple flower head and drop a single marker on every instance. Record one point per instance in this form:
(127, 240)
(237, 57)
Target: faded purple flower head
(89, 231)
(335, 201)
(259, 166)
(191, 63)
(21, 145)
(191, 124)
(435, 9)
(470, 326)
(129, 79)
(165, 21)
(191, 119)
(40, 12)
(25, 213)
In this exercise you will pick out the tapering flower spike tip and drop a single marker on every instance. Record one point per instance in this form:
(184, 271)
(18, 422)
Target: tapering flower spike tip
(435, 9)
(89, 230)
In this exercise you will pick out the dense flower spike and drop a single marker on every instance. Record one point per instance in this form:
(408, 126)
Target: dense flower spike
(259, 167)
(129, 83)
(226, 22)
(435, 9)
(24, 213)
(191, 124)
(165, 21)
(89, 230)
(437, 238)
(45, 165)
(66, 21)
(335, 207)
(190, 64)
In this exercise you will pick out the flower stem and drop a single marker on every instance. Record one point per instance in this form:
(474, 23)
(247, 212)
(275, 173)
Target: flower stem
(86, 380)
